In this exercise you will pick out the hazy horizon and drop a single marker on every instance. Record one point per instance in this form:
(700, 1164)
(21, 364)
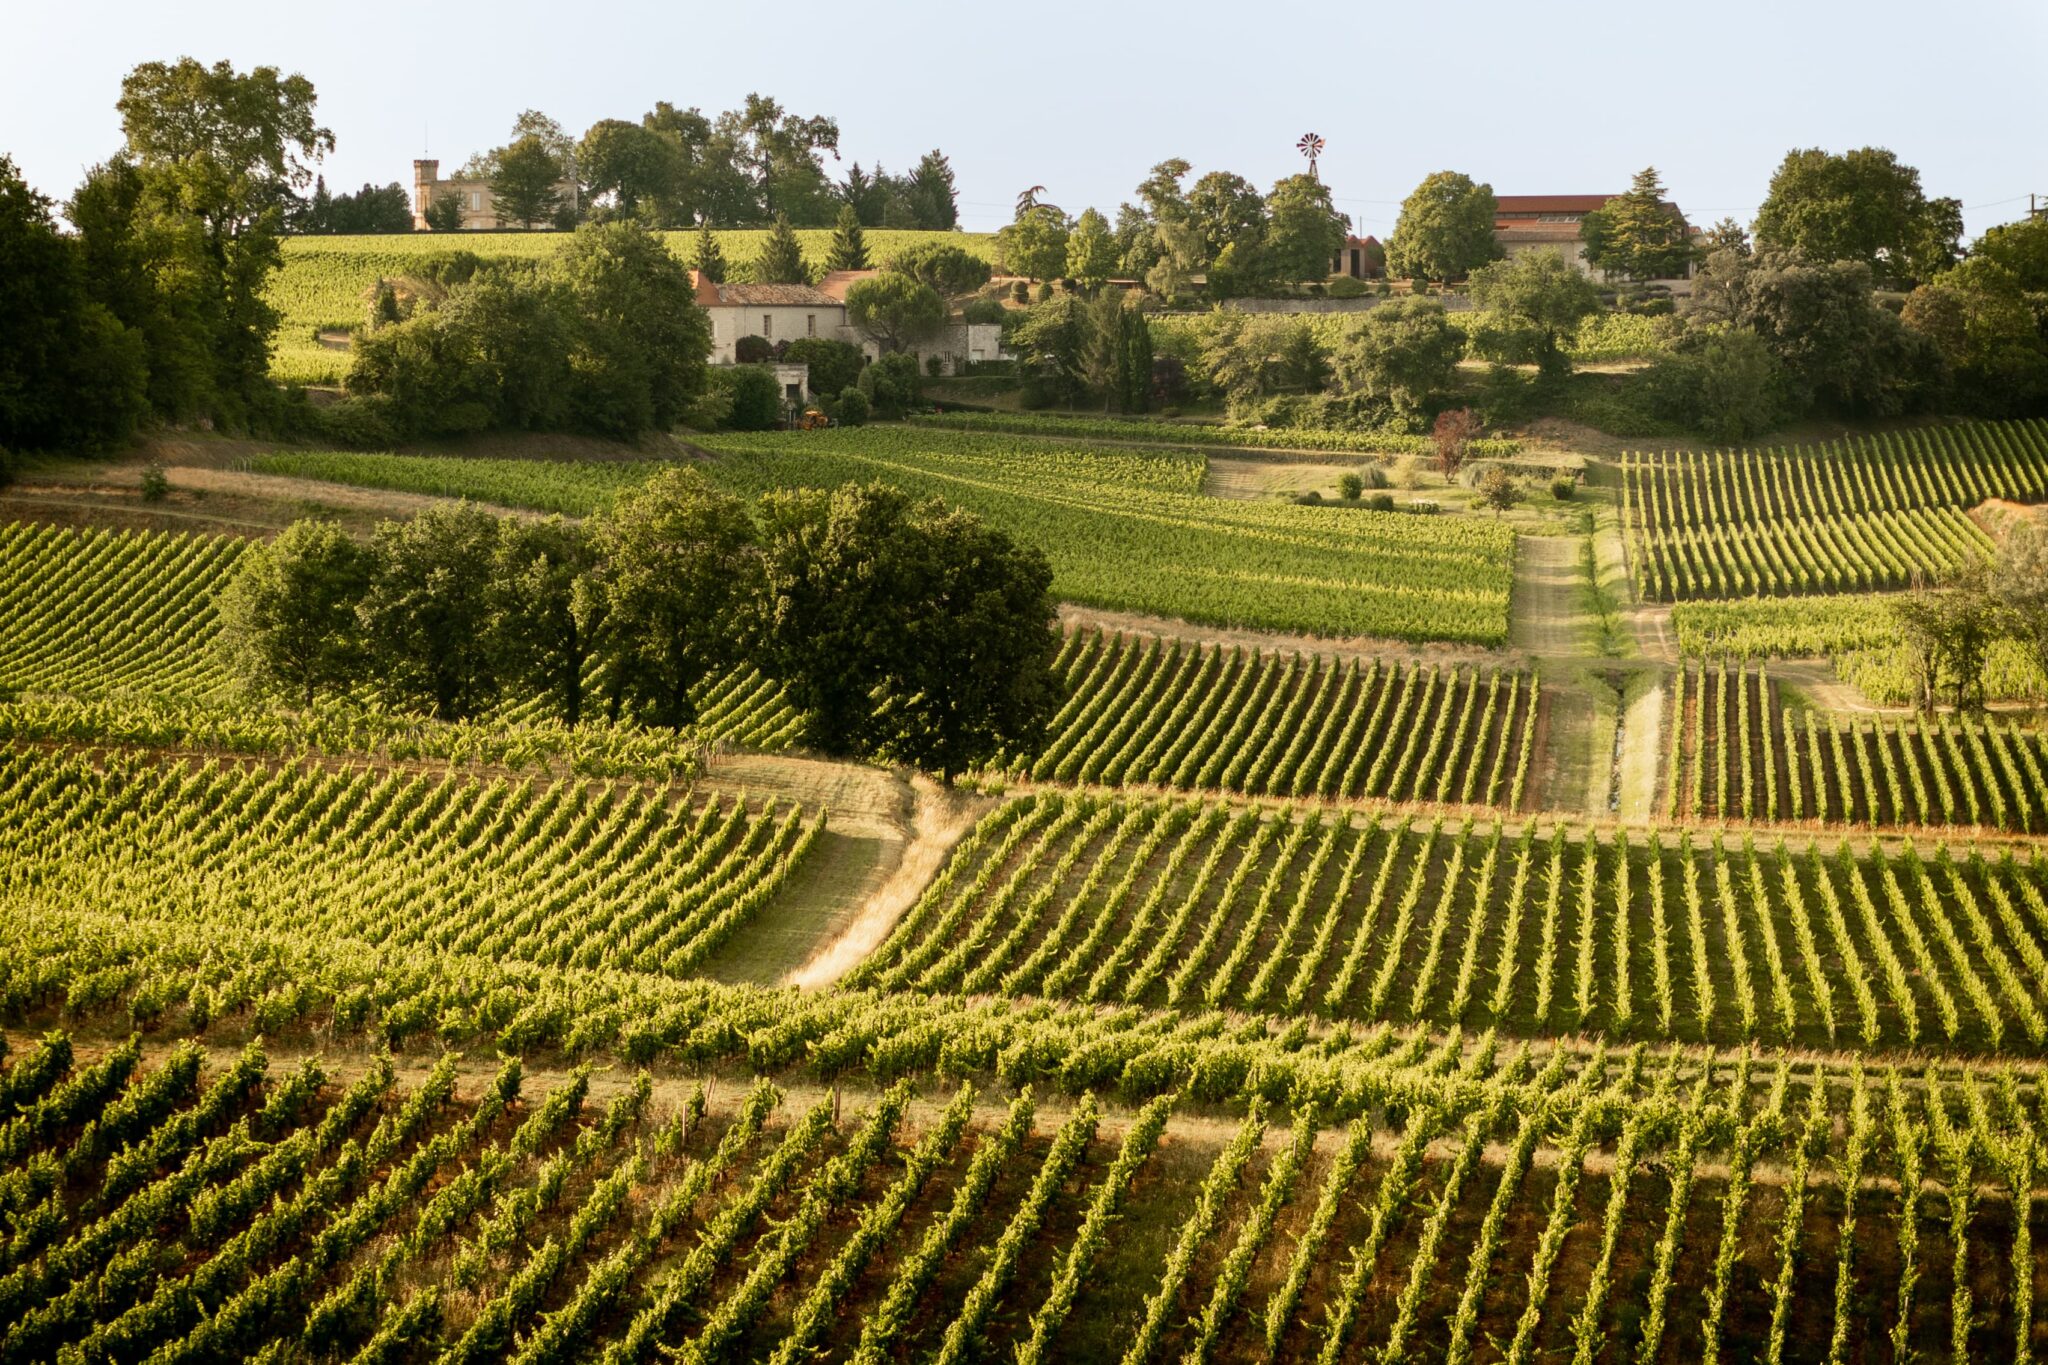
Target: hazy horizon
(1531, 101)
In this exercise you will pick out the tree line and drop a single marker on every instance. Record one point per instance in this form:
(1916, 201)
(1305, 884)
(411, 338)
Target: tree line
(902, 629)
(674, 168)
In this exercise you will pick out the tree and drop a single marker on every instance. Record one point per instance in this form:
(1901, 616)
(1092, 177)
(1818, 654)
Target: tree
(2020, 581)
(1225, 210)
(444, 214)
(630, 167)
(1840, 348)
(710, 261)
(754, 397)
(1726, 235)
(1989, 332)
(679, 572)
(1862, 205)
(1404, 354)
(1453, 434)
(833, 364)
(782, 257)
(545, 613)
(182, 233)
(949, 269)
(892, 385)
(1720, 381)
(2021, 248)
(849, 249)
(288, 615)
(1035, 244)
(905, 630)
(1637, 236)
(426, 615)
(1305, 231)
(778, 158)
(1445, 230)
(1543, 292)
(934, 204)
(1091, 251)
(71, 375)
(641, 339)
(1499, 490)
(526, 187)
(895, 310)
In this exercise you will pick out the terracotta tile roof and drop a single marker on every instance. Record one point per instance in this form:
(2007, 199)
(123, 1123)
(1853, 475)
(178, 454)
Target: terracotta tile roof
(835, 283)
(1549, 203)
(760, 295)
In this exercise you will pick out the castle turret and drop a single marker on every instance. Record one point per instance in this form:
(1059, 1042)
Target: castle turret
(425, 175)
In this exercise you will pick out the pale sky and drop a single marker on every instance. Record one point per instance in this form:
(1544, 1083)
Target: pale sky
(1563, 96)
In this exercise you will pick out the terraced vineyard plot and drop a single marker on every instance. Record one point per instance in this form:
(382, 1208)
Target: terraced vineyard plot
(177, 1210)
(1849, 516)
(93, 611)
(1740, 755)
(1194, 905)
(1167, 713)
(558, 873)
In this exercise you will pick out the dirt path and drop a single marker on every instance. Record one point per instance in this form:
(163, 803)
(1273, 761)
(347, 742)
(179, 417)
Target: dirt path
(1546, 615)
(868, 823)
(284, 488)
(939, 819)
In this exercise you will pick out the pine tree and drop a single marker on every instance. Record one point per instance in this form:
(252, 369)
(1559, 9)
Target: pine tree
(782, 259)
(1635, 236)
(849, 247)
(933, 200)
(710, 258)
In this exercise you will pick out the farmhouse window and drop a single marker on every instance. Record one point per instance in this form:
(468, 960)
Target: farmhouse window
(767, 324)
(810, 324)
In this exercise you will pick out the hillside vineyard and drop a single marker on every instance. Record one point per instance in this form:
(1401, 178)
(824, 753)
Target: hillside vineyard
(1371, 992)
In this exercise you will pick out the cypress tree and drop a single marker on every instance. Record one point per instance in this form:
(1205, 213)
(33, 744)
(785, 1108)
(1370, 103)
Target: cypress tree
(849, 247)
(1137, 361)
(710, 259)
(781, 260)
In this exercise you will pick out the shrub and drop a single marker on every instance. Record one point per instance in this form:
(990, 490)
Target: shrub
(833, 364)
(1380, 502)
(1345, 287)
(1424, 507)
(156, 484)
(1408, 472)
(1309, 499)
(756, 398)
(935, 366)
(984, 310)
(1351, 486)
(1564, 488)
(892, 385)
(753, 350)
(853, 407)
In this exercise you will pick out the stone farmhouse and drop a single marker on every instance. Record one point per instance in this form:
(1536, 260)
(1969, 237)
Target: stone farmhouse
(479, 214)
(1555, 222)
(790, 312)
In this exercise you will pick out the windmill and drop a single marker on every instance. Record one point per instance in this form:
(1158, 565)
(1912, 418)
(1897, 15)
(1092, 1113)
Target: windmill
(1311, 146)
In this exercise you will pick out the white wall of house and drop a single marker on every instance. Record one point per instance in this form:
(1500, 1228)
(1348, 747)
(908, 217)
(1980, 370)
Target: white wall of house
(774, 324)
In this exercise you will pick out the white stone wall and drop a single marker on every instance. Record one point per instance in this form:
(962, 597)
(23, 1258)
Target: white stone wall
(774, 324)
